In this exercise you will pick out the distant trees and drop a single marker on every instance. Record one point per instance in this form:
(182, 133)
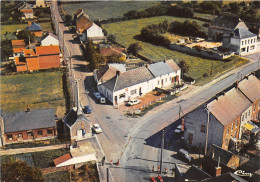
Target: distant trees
(68, 18)
(26, 35)
(134, 48)
(6, 49)
(20, 171)
(93, 55)
(180, 11)
(184, 67)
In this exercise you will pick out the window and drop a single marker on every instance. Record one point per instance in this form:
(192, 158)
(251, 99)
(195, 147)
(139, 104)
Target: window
(9, 137)
(158, 83)
(243, 49)
(122, 95)
(258, 104)
(248, 41)
(232, 127)
(39, 132)
(252, 47)
(253, 117)
(227, 130)
(235, 134)
(243, 118)
(20, 135)
(226, 143)
(242, 42)
(254, 108)
(236, 122)
(49, 131)
(165, 79)
(248, 112)
(132, 92)
(202, 128)
(30, 134)
(251, 41)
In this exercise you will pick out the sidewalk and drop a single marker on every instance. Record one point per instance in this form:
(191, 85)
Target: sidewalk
(34, 149)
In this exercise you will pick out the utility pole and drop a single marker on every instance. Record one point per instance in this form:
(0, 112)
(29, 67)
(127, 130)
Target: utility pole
(207, 132)
(107, 174)
(162, 146)
(70, 173)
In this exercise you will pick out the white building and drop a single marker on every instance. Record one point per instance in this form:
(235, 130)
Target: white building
(119, 86)
(87, 29)
(241, 41)
(49, 40)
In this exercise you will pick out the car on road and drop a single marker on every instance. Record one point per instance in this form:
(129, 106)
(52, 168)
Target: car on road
(100, 98)
(88, 110)
(184, 155)
(133, 102)
(97, 128)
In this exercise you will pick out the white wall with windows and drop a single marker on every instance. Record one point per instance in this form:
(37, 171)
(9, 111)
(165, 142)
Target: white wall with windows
(246, 46)
(245, 117)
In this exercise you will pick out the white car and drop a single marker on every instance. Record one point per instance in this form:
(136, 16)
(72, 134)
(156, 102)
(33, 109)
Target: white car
(177, 131)
(100, 98)
(133, 102)
(97, 128)
(179, 127)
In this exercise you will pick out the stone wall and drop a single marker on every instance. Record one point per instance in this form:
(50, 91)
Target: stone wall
(200, 53)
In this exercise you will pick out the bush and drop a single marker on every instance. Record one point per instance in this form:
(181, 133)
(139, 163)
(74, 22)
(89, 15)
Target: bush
(205, 75)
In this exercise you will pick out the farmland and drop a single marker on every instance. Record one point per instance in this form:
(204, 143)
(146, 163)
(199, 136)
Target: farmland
(12, 28)
(39, 90)
(106, 10)
(125, 34)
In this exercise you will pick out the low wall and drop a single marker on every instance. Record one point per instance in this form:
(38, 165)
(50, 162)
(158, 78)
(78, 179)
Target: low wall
(201, 53)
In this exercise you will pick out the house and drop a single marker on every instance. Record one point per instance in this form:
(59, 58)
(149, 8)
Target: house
(49, 40)
(223, 118)
(77, 125)
(31, 125)
(26, 9)
(18, 47)
(110, 51)
(225, 177)
(119, 86)
(87, 29)
(222, 25)
(34, 28)
(240, 41)
(43, 57)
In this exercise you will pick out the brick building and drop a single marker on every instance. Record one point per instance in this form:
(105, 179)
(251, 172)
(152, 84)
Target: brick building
(34, 28)
(28, 126)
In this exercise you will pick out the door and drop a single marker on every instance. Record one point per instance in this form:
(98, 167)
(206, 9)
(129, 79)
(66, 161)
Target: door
(80, 134)
(115, 100)
(190, 138)
(162, 82)
(140, 91)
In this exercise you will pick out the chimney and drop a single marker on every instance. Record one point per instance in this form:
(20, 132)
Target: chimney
(28, 108)
(29, 23)
(218, 169)
(182, 124)
(237, 83)
(117, 73)
(147, 66)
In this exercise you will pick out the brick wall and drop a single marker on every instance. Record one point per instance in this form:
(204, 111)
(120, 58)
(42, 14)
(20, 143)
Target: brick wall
(255, 110)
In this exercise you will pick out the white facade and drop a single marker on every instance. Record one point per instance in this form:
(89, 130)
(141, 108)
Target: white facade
(28, 15)
(93, 32)
(49, 40)
(245, 46)
(245, 117)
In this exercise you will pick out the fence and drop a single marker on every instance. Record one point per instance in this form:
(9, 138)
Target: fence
(59, 30)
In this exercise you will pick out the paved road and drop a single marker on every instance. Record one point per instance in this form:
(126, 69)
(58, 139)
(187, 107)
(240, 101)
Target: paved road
(139, 139)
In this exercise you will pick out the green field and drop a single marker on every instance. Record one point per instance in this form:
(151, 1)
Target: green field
(127, 30)
(108, 9)
(39, 90)
(12, 28)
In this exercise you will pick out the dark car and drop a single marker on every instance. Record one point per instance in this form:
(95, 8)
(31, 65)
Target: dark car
(88, 109)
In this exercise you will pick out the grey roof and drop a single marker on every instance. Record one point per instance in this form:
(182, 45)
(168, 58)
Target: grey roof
(224, 155)
(34, 27)
(241, 33)
(132, 77)
(195, 173)
(110, 84)
(120, 67)
(228, 22)
(71, 118)
(159, 69)
(23, 121)
(225, 177)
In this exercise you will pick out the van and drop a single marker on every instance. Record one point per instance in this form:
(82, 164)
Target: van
(185, 155)
(102, 100)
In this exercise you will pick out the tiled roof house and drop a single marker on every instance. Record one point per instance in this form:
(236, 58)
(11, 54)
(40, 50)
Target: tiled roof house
(34, 28)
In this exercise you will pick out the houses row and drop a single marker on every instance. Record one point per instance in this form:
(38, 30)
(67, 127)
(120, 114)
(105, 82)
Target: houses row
(119, 85)
(32, 57)
(224, 120)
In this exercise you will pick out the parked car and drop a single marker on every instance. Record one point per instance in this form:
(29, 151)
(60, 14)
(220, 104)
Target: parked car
(88, 110)
(185, 155)
(133, 102)
(100, 98)
(177, 131)
(197, 39)
(97, 128)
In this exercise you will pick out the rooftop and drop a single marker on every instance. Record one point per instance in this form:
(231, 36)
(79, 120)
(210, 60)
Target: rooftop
(18, 43)
(250, 87)
(47, 50)
(34, 27)
(159, 69)
(241, 33)
(62, 159)
(23, 121)
(82, 149)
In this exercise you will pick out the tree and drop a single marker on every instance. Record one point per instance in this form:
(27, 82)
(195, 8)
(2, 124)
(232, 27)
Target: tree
(68, 18)
(6, 49)
(20, 171)
(184, 67)
(93, 55)
(26, 35)
(134, 48)
(111, 38)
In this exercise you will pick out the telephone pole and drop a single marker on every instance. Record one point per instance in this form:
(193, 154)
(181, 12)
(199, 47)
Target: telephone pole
(162, 146)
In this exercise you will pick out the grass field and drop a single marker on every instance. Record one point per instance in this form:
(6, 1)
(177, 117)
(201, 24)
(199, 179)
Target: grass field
(39, 90)
(127, 30)
(12, 28)
(108, 9)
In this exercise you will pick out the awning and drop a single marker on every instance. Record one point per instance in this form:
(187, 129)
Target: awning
(248, 126)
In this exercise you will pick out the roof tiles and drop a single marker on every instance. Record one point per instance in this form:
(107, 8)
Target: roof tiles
(250, 87)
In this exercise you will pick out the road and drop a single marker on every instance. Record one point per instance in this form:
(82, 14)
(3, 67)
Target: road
(136, 142)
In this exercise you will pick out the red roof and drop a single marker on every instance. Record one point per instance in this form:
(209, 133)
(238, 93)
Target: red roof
(62, 159)
(18, 50)
(83, 23)
(32, 63)
(47, 50)
(27, 11)
(78, 12)
(250, 86)
(18, 43)
(29, 52)
(110, 51)
(46, 62)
